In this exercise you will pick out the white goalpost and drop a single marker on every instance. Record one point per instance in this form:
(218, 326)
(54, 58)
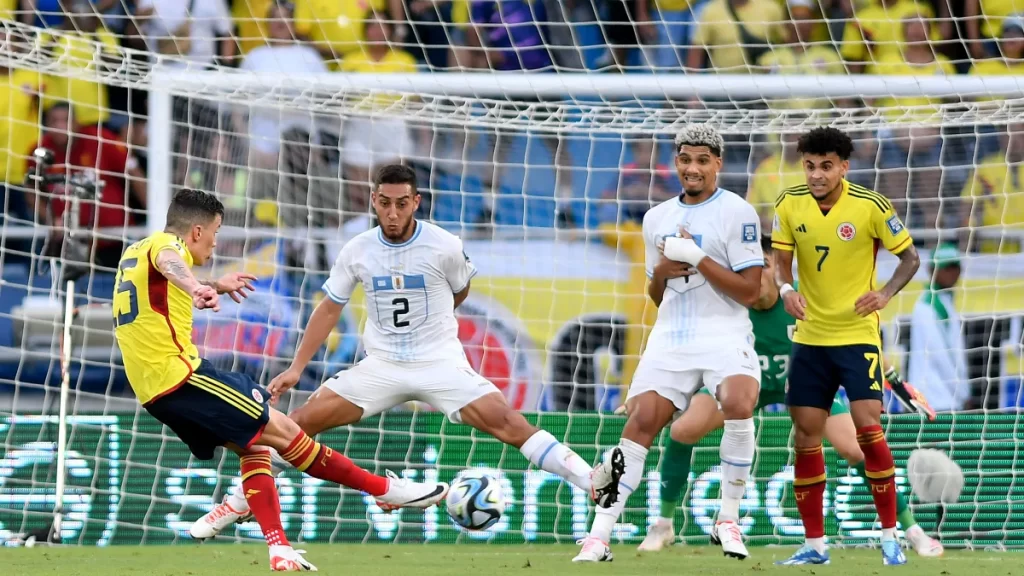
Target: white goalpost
(543, 175)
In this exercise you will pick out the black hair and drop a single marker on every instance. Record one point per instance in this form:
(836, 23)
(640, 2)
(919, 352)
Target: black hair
(192, 207)
(58, 105)
(766, 243)
(821, 141)
(282, 5)
(395, 174)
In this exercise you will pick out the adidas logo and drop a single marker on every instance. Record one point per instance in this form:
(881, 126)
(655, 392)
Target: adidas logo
(802, 228)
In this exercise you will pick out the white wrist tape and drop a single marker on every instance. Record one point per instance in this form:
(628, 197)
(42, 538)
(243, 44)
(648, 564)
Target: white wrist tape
(785, 289)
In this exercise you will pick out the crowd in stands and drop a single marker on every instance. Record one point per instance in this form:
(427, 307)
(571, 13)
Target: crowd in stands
(953, 177)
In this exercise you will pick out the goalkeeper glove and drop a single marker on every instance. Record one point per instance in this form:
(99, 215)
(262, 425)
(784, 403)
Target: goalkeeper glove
(911, 398)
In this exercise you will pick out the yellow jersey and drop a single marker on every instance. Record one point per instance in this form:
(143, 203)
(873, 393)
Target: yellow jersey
(19, 122)
(995, 195)
(835, 256)
(153, 320)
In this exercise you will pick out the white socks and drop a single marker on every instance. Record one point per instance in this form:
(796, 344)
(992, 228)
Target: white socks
(737, 453)
(550, 455)
(604, 518)
(817, 543)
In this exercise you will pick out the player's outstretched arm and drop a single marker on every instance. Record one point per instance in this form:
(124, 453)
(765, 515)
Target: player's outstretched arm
(324, 318)
(177, 272)
(233, 284)
(873, 301)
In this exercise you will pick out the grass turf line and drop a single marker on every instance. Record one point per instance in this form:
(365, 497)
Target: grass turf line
(445, 560)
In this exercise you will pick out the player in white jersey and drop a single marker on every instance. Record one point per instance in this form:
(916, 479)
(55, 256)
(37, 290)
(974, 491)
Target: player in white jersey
(414, 275)
(704, 262)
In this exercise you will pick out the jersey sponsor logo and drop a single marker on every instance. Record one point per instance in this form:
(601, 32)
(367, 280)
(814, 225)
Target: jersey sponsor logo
(876, 387)
(802, 228)
(895, 226)
(257, 396)
(846, 231)
(749, 233)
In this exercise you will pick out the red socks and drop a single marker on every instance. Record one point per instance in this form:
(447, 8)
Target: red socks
(261, 494)
(881, 472)
(322, 462)
(809, 489)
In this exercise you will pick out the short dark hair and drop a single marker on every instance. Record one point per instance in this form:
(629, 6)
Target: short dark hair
(53, 107)
(821, 141)
(395, 174)
(766, 243)
(191, 207)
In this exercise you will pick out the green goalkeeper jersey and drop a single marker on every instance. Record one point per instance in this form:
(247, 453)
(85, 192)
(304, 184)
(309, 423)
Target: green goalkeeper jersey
(773, 331)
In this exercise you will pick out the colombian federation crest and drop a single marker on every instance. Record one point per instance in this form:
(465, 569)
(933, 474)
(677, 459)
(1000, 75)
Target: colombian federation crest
(846, 231)
(257, 396)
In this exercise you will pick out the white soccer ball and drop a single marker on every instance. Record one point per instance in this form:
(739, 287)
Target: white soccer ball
(934, 476)
(475, 500)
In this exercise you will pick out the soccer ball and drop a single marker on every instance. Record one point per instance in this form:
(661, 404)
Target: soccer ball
(475, 501)
(934, 476)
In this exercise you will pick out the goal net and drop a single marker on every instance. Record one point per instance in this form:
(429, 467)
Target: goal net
(546, 178)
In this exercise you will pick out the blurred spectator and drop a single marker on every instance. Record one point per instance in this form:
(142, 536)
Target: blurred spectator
(223, 172)
(511, 34)
(95, 152)
(337, 27)
(1010, 59)
(430, 30)
(994, 195)
(676, 23)
(82, 30)
(911, 166)
(643, 183)
(251, 21)
(281, 54)
(938, 356)
(20, 91)
(199, 30)
(877, 30)
(371, 141)
(627, 26)
(984, 22)
(917, 58)
(507, 35)
(782, 169)
(804, 51)
(735, 33)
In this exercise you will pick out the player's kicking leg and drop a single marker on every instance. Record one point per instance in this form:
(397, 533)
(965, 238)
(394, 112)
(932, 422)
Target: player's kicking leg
(699, 420)
(842, 434)
(327, 409)
(649, 413)
(491, 414)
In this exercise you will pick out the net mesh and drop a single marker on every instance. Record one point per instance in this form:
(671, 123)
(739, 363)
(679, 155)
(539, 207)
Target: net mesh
(546, 177)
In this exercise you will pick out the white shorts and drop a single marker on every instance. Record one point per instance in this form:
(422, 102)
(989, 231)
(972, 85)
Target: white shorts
(677, 379)
(376, 385)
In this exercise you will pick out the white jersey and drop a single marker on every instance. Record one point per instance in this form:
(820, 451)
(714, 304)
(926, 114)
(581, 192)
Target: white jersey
(410, 292)
(694, 315)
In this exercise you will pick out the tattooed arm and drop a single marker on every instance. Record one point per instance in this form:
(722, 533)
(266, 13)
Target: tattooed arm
(177, 272)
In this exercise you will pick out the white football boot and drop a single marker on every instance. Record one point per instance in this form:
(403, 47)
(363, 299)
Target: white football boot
(731, 538)
(660, 536)
(594, 550)
(924, 544)
(232, 509)
(288, 559)
(404, 493)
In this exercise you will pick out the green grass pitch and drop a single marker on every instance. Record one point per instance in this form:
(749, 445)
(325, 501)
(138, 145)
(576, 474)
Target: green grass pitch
(445, 560)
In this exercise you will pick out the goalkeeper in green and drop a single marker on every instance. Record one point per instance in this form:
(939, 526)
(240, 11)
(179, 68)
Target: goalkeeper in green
(773, 328)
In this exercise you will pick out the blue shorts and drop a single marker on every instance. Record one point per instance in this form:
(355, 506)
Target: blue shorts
(214, 408)
(817, 372)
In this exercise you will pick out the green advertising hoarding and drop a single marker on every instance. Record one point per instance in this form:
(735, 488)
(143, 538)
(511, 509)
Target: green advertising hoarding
(129, 482)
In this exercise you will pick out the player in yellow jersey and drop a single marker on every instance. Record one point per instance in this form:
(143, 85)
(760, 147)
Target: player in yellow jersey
(205, 407)
(834, 229)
